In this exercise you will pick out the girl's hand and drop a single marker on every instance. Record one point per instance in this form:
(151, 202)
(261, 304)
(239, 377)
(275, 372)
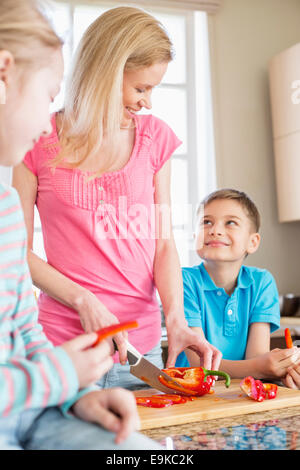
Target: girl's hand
(94, 315)
(90, 363)
(292, 379)
(277, 362)
(182, 337)
(114, 409)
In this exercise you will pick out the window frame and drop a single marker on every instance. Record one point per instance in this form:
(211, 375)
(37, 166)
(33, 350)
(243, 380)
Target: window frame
(201, 172)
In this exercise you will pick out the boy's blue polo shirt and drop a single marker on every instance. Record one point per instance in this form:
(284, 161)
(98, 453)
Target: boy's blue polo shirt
(226, 319)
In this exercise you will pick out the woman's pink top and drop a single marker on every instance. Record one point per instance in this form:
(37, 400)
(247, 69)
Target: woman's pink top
(100, 233)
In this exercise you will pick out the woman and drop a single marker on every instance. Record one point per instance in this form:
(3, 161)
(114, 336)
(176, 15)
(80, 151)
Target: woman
(39, 383)
(97, 180)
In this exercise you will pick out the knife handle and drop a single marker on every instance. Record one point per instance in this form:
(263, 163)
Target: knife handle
(133, 355)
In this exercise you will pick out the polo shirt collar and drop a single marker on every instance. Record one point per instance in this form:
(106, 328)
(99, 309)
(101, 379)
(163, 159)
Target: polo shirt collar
(243, 282)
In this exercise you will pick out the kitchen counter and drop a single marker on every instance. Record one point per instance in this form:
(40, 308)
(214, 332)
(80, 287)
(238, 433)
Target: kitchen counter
(276, 429)
(269, 430)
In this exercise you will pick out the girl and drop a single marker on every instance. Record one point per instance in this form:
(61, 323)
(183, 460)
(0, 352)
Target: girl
(39, 384)
(97, 180)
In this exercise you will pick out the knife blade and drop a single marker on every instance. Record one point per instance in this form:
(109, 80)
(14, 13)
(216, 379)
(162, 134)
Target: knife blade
(144, 370)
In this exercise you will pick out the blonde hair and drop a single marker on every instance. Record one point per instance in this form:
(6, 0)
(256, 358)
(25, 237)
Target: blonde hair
(121, 39)
(24, 28)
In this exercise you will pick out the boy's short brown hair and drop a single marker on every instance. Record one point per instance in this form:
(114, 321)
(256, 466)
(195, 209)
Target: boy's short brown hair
(242, 198)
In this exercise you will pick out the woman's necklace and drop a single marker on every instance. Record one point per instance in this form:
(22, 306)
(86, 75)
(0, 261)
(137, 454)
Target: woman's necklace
(130, 125)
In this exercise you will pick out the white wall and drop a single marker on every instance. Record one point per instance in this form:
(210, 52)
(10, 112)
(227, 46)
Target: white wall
(245, 34)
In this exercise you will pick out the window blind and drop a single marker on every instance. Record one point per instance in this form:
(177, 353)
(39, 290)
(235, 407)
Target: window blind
(209, 6)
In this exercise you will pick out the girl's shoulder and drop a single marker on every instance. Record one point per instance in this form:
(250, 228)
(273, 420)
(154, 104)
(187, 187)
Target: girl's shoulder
(8, 196)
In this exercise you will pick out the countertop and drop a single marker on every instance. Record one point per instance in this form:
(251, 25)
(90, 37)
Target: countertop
(293, 323)
(270, 430)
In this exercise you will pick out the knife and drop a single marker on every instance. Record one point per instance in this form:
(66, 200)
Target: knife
(144, 370)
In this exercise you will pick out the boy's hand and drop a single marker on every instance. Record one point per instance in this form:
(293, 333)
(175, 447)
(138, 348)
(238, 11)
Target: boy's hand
(91, 363)
(114, 409)
(277, 362)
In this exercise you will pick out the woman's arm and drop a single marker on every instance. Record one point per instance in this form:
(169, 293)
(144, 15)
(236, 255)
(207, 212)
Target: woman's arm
(168, 280)
(93, 314)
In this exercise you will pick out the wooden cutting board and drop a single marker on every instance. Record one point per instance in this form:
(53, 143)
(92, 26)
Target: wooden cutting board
(223, 403)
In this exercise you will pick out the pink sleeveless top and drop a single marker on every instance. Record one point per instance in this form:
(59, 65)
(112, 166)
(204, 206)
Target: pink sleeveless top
(100, 233)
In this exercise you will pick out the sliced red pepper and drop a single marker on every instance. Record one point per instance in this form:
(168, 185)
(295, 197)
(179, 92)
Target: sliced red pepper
(176, 399)
(258, 391)
(288, 338)
(160, 401)
(113, 329)
(195, 381)
(155, 401)
(271, 390)
(253, 388)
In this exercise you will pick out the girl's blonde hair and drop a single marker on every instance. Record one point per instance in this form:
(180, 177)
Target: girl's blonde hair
(121, 39)
(25, 31)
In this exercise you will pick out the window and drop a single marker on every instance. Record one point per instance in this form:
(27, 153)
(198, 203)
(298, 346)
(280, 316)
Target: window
(182, 100)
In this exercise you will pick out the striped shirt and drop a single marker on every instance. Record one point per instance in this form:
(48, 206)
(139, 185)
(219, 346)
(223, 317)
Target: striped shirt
(33, 374)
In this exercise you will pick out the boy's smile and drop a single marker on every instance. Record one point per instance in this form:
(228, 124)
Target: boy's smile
(225, 232)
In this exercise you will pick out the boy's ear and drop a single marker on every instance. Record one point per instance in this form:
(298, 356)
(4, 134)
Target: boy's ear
(253, 244)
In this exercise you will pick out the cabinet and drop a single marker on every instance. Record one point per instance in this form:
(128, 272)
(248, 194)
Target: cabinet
(284, 79)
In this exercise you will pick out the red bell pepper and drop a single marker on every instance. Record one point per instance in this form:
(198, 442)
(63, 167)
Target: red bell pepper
(113, 329)
(256, 390)
(288, 338)
(195, 381)
(154, 401)
(253, 388)
(161, 401)
(271, 390)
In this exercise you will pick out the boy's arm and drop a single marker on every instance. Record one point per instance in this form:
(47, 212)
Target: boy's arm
(258, 340)
(265, 364)
(234, 368)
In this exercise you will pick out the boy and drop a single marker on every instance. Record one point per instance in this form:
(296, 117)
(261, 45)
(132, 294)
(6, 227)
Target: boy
(234, 306)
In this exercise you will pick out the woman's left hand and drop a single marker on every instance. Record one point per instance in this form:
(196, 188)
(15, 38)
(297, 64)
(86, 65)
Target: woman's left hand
(181, 337)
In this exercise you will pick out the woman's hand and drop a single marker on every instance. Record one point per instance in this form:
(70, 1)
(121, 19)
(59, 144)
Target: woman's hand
(276, 362)
(114, 409)
(94, 315)
(181, 337)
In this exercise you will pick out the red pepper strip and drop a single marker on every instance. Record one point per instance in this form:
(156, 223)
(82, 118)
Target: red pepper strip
(113, 329)
(192, 380)
(253, 388)
(160, 401)
(154, 401)
(288, 338)
(271, 390)
(176, 399)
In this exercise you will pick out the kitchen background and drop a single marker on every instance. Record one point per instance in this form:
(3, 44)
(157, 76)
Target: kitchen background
(216, 97)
